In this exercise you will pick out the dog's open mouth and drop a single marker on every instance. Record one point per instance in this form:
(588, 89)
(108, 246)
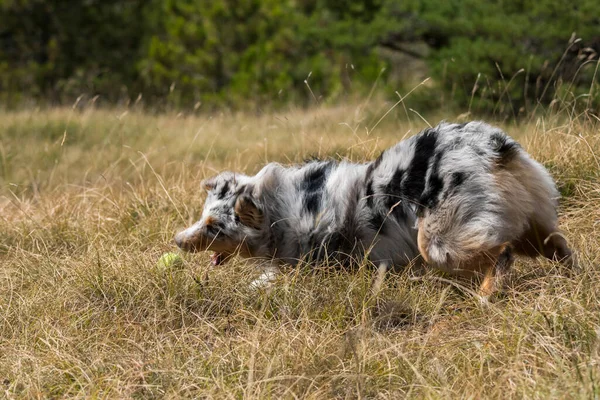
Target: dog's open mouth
(217, 258)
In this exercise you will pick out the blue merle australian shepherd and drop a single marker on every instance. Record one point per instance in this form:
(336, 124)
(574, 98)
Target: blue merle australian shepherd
(462, 197)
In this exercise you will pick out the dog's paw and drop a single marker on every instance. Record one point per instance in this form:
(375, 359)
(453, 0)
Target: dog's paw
(264, 281)
(260, 284)
(484, 300)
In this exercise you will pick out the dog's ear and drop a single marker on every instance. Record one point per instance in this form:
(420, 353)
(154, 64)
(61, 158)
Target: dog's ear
(208, 184)
(247, 211)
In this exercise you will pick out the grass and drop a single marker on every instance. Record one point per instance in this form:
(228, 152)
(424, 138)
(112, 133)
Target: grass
(90, 199)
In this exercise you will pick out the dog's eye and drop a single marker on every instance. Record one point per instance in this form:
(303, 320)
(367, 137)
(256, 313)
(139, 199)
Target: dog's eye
(237, 218)
(215, 227)
(212, 229)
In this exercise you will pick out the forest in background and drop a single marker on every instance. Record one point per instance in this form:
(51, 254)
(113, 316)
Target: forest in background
(504, 57)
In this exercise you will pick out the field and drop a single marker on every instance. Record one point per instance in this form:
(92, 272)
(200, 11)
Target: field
(90, 198)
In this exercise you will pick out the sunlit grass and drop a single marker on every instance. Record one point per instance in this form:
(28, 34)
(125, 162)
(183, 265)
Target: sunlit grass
(90, 199)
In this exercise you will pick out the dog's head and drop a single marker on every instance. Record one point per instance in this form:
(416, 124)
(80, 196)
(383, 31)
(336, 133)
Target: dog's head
(231, 216)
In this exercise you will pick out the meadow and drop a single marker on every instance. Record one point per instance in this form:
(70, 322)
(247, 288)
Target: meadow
(91, 197)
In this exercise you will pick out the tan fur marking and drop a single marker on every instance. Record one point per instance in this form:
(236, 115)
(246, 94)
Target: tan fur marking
(208, 184)
(210, 220)
(422, 242)
(488, 285)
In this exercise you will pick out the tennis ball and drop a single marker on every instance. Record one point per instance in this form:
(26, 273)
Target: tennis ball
(169, 260)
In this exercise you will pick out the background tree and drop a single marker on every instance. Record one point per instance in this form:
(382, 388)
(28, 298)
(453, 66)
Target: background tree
(506, 57)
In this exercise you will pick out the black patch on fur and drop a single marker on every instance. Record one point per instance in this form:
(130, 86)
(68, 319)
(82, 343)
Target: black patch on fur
(394, 195)
(369, 193)
(373, 166)
(349, 224)
(314, 179)
(335, 246)
(506, 148)
(312, 186)
(414, 183)
(377, 222)
(434, 186)
(223, 191)
(311, 202)
(393, 189)
(215, 228)
(330, 243)
(457, 179)
(219, 225)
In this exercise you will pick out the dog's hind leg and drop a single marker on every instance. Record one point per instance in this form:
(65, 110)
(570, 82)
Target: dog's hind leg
(536, 201)
(546, 241)
(558, 250)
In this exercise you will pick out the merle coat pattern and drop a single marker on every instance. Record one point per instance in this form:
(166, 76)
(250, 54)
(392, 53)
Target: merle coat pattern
(464, 197)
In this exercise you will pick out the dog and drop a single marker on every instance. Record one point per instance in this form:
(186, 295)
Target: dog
(465, 198)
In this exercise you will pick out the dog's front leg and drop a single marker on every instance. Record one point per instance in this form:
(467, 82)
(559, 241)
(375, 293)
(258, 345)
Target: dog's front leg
(270, 270)
(494, 275)
(382, 269)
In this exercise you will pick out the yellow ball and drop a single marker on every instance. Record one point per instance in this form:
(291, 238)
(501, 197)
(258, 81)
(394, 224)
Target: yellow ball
(169, 260)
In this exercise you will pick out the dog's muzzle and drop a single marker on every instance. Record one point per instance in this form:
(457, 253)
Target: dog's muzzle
(191, 239)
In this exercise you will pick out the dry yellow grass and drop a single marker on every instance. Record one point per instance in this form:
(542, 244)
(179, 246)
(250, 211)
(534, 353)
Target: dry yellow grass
(90, 199)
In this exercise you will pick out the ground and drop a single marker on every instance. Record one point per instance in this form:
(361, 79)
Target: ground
(90, 198)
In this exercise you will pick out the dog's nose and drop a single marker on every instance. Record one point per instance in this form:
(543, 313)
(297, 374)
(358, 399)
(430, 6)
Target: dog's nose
(191, 239)
(180, 239)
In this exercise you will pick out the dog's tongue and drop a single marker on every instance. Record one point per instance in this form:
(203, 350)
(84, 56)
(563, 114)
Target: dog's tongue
(216, 259)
